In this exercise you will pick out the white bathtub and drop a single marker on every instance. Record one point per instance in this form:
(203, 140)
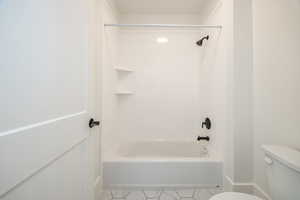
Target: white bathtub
(162, 150)
(162, 164)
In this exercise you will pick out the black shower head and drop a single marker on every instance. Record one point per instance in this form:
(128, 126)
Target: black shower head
(200, 42)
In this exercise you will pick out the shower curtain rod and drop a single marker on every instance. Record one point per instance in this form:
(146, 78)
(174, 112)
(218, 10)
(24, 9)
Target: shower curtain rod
(163, 25)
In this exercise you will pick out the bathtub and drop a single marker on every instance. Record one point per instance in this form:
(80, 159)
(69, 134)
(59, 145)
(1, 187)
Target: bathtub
(162, 164)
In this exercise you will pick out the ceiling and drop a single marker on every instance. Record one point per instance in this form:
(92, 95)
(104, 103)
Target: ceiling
(161, 6)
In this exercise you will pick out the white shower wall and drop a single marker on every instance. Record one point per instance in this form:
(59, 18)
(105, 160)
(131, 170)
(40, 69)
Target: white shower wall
(165, 85)
(109, 101)
(171, 82)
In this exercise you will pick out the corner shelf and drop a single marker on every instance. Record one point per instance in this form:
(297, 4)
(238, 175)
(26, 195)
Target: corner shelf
(122, 84)
(122, 69)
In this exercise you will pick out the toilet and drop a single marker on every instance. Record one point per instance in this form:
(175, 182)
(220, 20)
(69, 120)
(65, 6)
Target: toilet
(283, 172)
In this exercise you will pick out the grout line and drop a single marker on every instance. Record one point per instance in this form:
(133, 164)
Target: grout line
(127, 194)
(161, 192)
(144, 194)
(178, 194)
(194, 193)
(111, 194)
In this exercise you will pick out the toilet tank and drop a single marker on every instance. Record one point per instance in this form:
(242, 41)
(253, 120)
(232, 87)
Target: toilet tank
(283, 172)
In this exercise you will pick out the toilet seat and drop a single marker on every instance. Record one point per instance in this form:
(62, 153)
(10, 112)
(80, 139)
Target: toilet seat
(234, 196)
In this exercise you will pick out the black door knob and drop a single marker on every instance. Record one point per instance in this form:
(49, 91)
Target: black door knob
(93, 123)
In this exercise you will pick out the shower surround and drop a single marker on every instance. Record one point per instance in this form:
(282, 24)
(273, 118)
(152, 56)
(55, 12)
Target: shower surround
(157, 90)
(153, 111)
(155, 86)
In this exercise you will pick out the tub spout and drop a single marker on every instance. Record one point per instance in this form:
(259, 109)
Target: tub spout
(199, 138)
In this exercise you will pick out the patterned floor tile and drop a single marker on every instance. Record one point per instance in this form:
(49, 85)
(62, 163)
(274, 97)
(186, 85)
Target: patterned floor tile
(185, 192)
(173, 194)
(119, 194)
(216, 191)
(161, 194)
(136, 195)
(151, 194)
(166, 196)
(107, 195)
(203, 194)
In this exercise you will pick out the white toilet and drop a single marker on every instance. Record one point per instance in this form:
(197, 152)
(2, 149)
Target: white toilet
(283, 172)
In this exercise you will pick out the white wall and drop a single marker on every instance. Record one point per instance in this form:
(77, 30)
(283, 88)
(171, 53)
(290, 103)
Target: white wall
(232, 80)
(217, 62)
(242, 94)
(276, 28)
(221, 75)
(160, 18)
(271, 81)
(110, 52)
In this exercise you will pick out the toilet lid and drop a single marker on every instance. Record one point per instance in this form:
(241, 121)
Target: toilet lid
(234, 196)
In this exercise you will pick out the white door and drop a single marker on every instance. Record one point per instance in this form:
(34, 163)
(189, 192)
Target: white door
(46, 100)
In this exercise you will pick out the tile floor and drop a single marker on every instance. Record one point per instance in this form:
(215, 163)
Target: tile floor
(161, 194)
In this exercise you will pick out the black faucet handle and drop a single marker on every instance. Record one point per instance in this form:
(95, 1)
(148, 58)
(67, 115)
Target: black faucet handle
(206, 123)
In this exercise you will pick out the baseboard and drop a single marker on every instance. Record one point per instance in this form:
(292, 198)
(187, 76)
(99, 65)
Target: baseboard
(249, 188)
(258, 191)
(98, 188)
(228, 184)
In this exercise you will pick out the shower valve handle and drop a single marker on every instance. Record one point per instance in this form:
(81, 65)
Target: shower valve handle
(206, 123)
(93, 123)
